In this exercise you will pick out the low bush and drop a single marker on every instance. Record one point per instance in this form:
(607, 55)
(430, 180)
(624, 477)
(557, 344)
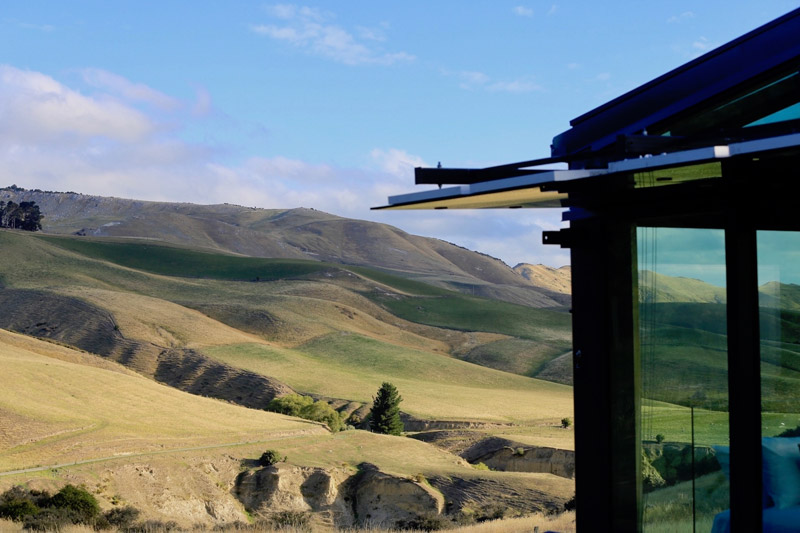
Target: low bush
(122, 517)
(270, 457)
(294, 520)
(305, 407)
(17, 509)
(566, 422)
(38, 511)
(78, 500)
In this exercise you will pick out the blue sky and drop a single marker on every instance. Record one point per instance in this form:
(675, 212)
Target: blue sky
(327, 105)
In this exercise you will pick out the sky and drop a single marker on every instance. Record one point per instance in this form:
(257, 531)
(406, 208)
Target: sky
(328, 105)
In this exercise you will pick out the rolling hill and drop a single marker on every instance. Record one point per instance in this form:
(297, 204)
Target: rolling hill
(289, 234)
(221, 333)
(93, 329)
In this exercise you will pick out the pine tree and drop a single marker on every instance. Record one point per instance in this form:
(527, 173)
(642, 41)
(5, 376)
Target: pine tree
(385, 413)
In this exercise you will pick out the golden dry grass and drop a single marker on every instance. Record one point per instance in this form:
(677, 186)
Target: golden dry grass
(436, 387)
(158, 321)
(563, 523)
(56, 409)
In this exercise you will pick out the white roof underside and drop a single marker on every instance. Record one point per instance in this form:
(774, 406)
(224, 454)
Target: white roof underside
(526, 191)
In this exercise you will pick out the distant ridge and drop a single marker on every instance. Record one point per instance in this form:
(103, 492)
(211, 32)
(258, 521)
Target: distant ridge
(556, 279)
(299, 233)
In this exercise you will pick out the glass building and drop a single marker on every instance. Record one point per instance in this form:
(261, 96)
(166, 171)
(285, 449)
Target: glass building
(684, 234)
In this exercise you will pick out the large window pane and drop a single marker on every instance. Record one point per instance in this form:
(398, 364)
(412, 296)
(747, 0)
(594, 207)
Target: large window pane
(684, 377)
(779, 301)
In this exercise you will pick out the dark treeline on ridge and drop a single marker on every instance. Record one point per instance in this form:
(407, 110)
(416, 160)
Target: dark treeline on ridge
(23, 215)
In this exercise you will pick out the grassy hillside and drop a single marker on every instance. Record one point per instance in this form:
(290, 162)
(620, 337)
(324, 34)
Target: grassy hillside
(328, 332)
(351, 366)
(303, 234)
(61, 406)
(411, 300)
(75, 418)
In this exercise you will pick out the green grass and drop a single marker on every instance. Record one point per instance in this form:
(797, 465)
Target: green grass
(519, 356)
(670, 509)
(467, 313)
(711, 427)
(352, 366)
(173, 261)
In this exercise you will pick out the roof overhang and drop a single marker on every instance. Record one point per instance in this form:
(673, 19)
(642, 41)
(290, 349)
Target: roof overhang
(542, 189)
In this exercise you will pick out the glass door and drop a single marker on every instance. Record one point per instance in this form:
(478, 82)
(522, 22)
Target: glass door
(684, 389)
(779, 317)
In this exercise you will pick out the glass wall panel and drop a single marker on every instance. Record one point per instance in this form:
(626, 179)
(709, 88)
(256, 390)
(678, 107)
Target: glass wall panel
(683, 347)
(779, 306)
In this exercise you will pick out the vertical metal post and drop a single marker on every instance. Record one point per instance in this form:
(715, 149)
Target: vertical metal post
(607, 383)
(744, 354)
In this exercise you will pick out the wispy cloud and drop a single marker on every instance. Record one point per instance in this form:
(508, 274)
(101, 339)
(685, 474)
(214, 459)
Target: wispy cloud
(552, 11)
(475, 80)
(516, 86)
(702, 45)
(37, 27)
(686, 15)
(523, 11)
(396, 162)
(311, 30)
(127, 89)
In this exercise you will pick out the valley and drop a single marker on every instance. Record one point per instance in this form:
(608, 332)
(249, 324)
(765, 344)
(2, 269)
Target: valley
(141, 367)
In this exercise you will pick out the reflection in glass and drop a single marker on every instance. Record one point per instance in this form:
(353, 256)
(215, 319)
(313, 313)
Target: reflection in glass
(779, 306)
(683, 348)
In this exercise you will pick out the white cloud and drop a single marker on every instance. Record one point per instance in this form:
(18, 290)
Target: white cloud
(473, 80)
(680, 18)
(35, 106)
(397, 163)
(127, 89)
(310, 30)
(96, 153)
(516, 86)
(523, 11)
(553, 9)
(702, 44)
(603, 76)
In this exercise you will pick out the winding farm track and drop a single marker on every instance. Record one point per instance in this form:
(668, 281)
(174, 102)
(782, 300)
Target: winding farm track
(146, 454)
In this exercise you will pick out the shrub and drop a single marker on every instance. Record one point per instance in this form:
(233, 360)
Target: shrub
(78, 500)
(566, 422)
(305, 407)
(480, 466)
(122, 517)
(296, 520)
(270, 457)
(519, 451)
(659, 438)
(17, 509)
(320, 411)
(291, 404)
(52, 519)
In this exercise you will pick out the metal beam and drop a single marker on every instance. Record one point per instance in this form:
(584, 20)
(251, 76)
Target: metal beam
(607, 382)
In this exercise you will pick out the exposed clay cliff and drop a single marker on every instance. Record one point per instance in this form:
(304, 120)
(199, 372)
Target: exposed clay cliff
(338, 497)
